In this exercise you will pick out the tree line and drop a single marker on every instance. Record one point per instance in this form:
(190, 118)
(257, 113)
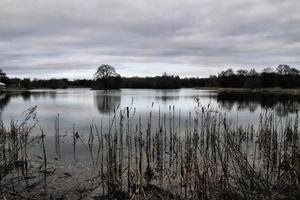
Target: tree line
(283, 76)
(106, 77)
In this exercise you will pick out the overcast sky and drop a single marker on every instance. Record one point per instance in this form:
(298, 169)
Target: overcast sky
(71, 38)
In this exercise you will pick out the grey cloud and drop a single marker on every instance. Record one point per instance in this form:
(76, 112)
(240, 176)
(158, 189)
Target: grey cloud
(193, 36)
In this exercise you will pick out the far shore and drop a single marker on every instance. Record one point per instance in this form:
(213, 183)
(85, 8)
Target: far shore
(13, 90)
(254, 90)
(276, 91)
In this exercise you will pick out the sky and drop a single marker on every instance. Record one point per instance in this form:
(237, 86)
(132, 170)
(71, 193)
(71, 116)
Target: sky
(189, 38)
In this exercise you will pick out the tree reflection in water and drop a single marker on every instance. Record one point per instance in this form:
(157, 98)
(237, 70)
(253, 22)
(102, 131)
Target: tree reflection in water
(26, 96)
(4, 101)
(282, 104)
(107, 101)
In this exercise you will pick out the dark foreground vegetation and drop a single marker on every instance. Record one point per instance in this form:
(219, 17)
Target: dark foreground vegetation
(106, 78)
(206, 156)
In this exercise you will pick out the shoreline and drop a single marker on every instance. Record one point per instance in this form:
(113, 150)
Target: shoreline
(277, 91)
(227, 90)
(13, 90)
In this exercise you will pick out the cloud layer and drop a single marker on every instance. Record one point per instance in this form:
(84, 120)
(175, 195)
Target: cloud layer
(70, 38)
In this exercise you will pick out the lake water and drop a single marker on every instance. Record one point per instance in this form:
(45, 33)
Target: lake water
(83, 107)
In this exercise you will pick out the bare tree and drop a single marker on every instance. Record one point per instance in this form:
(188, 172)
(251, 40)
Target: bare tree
(3, 77)
(294, 71)
(242, 72)
(252, 72)
(104, 73)
(227, 72)
(2, 74)
(268, 70)
(283, 69)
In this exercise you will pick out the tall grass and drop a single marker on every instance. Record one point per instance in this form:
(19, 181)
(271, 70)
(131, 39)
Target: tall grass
(14, 143)
(203, 156)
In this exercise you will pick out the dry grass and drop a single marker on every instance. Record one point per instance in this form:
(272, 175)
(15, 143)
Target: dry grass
(205, 156)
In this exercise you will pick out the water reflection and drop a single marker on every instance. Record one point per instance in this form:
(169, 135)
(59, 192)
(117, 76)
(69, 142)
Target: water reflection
(166, 98)
(4, 101)
(107, 101)
(170, 96)
(38, 95)
(26, 96)
(103, 103)
(282, 104)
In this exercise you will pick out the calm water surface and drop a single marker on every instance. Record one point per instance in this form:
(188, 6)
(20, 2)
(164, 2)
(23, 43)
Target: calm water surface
(83, 106)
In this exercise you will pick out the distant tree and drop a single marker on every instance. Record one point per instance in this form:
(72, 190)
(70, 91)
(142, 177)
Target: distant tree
(283, 69)
(165, 74)
(252, 72)
(3, 77)
(107, 77)
(268, 70)
(228, 72)
(242, 72)
(105, 72)
(294, 71)
(2, 74)
(25, 83)
(212, 81)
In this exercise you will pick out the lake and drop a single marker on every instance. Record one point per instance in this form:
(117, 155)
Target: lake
(91, 135)
(83, 107)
